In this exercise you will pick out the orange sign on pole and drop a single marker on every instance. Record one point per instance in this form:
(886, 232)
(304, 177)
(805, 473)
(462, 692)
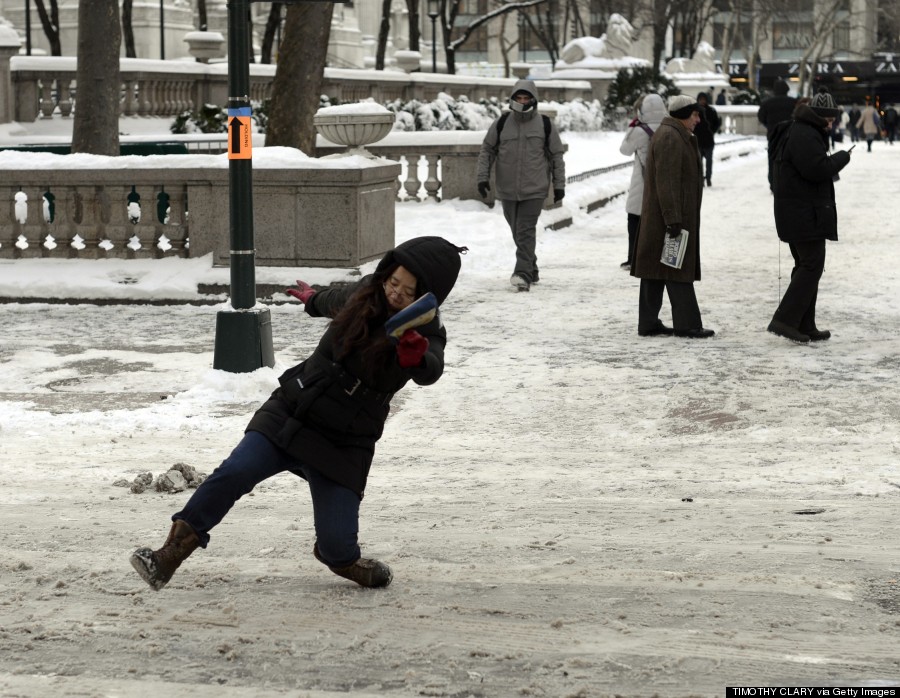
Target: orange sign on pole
(240, 143)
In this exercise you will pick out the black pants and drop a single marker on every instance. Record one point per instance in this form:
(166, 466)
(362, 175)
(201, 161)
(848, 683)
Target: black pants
(685, 311)
(707, 154)
(634, 222)
(798, 305)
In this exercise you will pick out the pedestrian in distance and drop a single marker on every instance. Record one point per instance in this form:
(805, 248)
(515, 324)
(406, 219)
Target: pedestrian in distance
(324, 419)
(853, 116)
(706, 131)
(774, 110)
(673, 191)
(649, 113)
(527, 151)
(721, 98)
(805, 212)
(870, 124)
(889, 118)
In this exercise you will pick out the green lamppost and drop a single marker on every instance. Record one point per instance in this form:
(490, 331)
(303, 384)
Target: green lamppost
(244, 333)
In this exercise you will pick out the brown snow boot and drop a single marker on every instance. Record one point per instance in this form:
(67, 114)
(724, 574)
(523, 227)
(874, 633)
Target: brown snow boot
(157, 567)
(365, 572)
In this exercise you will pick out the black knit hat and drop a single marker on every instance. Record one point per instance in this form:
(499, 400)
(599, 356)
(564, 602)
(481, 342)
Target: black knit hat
(431, 259)
(823, 104)
(780, 87)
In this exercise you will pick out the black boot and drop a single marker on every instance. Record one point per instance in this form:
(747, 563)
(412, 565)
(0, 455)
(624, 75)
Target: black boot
(157, 567)
(365, 572)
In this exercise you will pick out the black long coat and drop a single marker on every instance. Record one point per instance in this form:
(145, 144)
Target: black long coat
(673, 191)
(804, 178)
(318, 417)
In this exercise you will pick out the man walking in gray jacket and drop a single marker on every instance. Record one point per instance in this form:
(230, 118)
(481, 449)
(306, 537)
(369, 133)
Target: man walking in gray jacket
(528, 153)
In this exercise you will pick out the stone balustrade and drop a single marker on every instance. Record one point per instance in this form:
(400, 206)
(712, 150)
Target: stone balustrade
(44, 86)
(93, 207)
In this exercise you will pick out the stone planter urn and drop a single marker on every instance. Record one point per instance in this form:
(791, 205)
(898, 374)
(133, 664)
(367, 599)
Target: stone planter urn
(205, 45)
(408, 61)
(354, 125)
(520, 70)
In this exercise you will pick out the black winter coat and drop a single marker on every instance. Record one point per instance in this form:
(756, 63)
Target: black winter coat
(709, 126)
(774, 110)
(804, 178)
(324, 415)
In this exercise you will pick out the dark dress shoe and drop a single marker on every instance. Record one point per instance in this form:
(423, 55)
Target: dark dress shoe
(788, 332)
(700, 333)
(658, 330)
(817, 335)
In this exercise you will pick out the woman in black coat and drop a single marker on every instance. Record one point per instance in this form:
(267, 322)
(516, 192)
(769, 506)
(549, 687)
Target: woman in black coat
(323, 421)
(805, 212)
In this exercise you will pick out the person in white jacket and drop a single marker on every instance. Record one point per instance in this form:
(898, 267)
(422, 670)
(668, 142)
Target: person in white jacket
(649, 111)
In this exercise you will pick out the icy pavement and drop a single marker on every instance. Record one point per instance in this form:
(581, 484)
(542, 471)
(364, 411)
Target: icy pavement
(571, 511)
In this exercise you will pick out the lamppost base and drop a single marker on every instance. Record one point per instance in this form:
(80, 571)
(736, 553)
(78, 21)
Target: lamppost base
(243, 340)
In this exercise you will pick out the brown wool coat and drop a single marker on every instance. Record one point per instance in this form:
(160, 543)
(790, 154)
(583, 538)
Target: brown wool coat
(673, 189)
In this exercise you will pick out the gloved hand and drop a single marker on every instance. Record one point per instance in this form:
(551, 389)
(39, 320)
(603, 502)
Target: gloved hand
(634, 122)
(483, 189)
(673, 230)
(558, 195)
(411, 348)
(303, 293)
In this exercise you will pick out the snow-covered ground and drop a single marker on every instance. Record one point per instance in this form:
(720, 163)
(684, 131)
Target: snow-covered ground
(571, 510)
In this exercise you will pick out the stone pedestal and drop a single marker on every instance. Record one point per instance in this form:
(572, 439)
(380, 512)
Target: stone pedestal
(9, 47)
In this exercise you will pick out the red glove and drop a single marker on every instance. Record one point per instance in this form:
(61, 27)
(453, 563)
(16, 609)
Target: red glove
(303, 294)
(411, 348)
(634, 122)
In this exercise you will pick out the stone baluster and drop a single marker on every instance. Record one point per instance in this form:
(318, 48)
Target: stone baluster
(63, 227)
(47, 102)
(412, 183)
(8, 240)
(33, 227)
(130, 100)
(170, 97)
(115, 230)
(146, 231)
(184, 96)
(64, 94)
(175, 228)
(86, 211)
(145, 105)
(432, 183)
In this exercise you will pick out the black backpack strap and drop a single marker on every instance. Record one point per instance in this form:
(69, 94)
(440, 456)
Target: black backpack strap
(500, 123)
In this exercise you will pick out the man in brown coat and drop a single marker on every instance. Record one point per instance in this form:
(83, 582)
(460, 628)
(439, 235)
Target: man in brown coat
(673, 187)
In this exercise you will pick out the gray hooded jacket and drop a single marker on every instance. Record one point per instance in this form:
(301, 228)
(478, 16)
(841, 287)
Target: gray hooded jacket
(526, 159)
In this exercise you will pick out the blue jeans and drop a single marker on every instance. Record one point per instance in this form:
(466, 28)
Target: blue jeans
(254, 459)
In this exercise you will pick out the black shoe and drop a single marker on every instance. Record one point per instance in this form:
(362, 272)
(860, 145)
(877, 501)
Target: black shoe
(659, 330)
(700, 333)
(535, 277)
(817, 335)
(788, 332)
(625, 265)
(709, 181)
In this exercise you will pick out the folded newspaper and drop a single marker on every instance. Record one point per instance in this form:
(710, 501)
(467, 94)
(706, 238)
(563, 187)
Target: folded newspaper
(674, 249)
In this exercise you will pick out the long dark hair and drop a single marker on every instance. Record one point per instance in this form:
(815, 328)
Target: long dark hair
(359, 325)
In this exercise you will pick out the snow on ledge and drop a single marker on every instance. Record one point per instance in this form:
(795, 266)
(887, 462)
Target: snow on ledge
(272, 157)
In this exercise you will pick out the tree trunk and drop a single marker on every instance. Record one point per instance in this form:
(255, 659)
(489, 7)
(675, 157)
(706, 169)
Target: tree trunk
(383, 32)
(272, 24)
(298, 77)
(412, 7)
(50, 23)
(96, 125)
(127, 29)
